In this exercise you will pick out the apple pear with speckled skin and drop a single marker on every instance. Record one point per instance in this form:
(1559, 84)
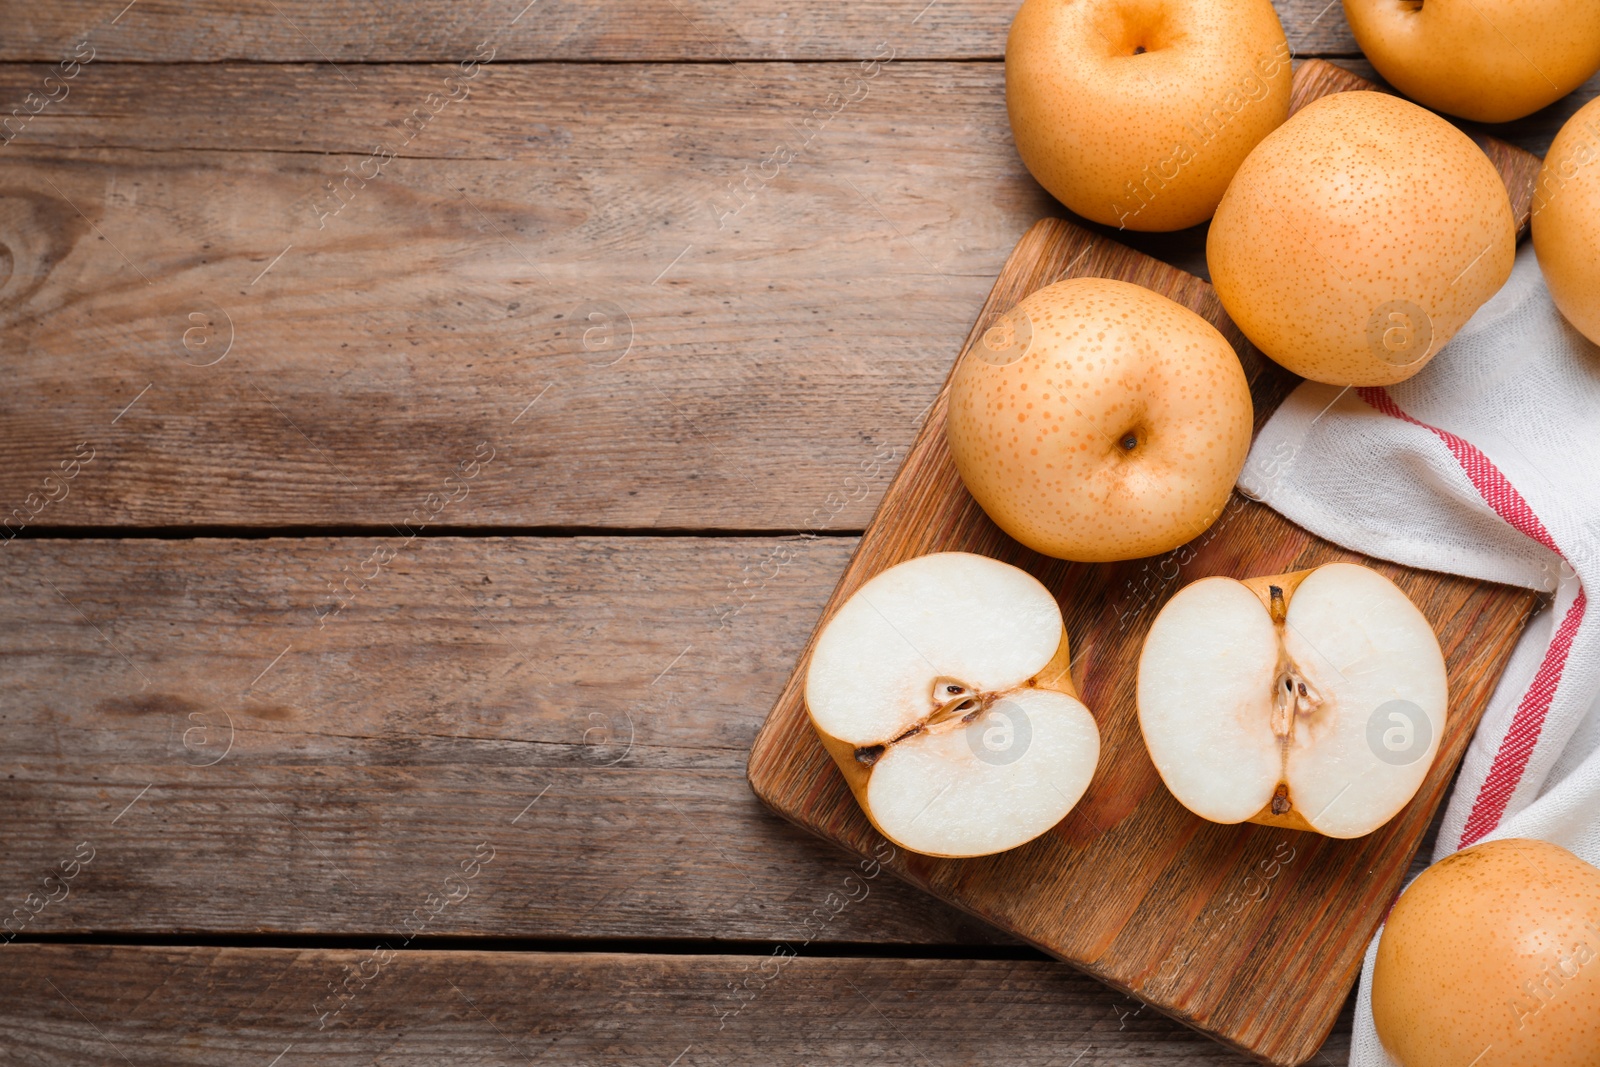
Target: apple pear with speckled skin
(1358, 237)
(1566, 220)
(1136, 113)
(1492, 958)
(1485, 60)
(1098, 420)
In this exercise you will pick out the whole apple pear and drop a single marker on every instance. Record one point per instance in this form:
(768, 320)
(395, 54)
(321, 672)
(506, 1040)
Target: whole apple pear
(1492, 958)
(1358, 237)
(1485, 60)
(1136, 113)
(1098, 420)
(1566, 220)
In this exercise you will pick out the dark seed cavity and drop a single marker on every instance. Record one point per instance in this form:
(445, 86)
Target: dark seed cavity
(869, 754)
(1280, 800)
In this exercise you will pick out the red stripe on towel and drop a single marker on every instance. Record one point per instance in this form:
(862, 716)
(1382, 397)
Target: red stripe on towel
(1511, 760)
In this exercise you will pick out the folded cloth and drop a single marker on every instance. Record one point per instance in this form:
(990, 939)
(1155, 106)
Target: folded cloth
(1486, 464)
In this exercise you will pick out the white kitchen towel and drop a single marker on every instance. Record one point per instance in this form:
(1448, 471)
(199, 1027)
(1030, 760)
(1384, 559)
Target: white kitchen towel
(1486, 463)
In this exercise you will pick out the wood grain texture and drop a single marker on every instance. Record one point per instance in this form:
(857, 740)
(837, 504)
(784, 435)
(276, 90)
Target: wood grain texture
(64, 1005)
(749, 367)
(583, 705)
(362, 767)
(1249, 933)
(348, 32)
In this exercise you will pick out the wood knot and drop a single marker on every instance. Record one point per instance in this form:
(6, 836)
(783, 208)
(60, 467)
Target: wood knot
(36, 233)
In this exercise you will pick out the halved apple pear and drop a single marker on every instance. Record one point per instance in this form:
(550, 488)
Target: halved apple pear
(1311, 701)
(941, 689)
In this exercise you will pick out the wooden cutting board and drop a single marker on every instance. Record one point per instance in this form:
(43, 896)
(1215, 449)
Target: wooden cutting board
(1250, 934)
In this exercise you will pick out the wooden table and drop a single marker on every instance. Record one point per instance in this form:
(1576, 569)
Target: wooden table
(430, 432)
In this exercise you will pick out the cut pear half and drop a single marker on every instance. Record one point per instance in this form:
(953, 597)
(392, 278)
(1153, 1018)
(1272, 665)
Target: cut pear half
(941, 689)
(1312, 701)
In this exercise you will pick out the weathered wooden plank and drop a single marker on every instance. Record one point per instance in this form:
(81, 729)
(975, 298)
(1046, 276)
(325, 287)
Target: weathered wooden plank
(348, 32)
(752, 360)
(218, 1006)
(237, 753)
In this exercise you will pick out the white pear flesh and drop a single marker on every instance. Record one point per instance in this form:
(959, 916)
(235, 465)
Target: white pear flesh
(1205, 695)
(941, 689)
(933, 794)
(1285, 720)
